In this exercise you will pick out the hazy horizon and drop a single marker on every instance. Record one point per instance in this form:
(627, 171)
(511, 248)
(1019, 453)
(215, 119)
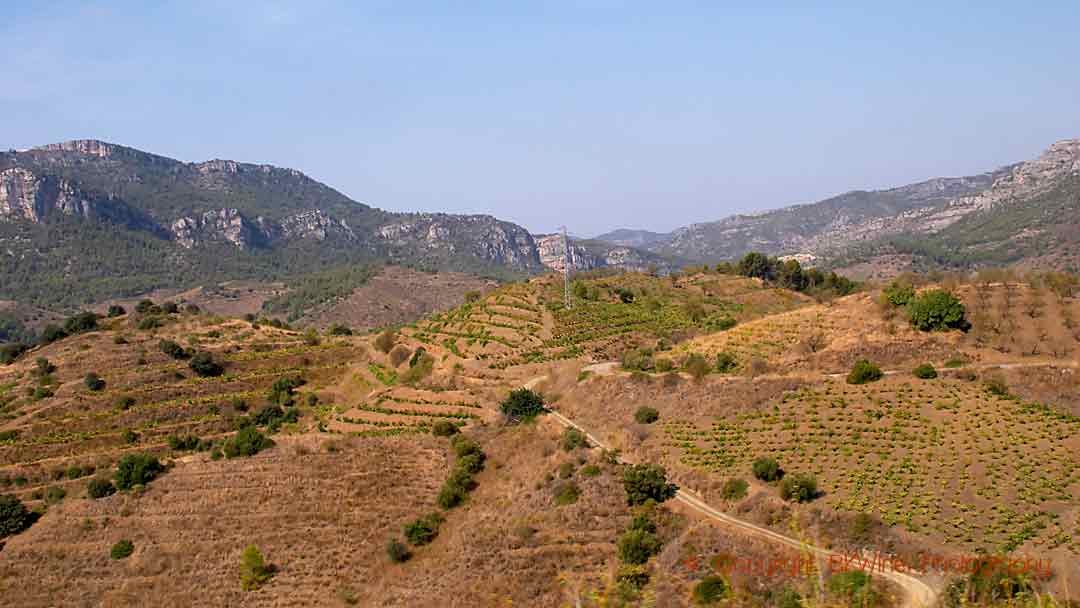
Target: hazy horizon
(598, 116)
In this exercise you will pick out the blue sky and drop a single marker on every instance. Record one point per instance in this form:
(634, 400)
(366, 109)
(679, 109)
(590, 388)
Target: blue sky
(594, 114)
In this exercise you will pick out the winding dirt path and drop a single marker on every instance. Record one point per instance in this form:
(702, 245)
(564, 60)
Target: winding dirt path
(918, 594)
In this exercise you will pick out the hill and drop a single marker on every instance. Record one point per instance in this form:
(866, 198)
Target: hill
(1024, 213)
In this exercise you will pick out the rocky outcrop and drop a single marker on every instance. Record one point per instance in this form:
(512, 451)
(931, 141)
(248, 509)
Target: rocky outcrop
(36, 198)
(481, 236)
(222, 225)
(314, 224)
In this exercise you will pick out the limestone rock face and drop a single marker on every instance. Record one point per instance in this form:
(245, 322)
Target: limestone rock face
(482, 236)
(226, 225)
(315, 224)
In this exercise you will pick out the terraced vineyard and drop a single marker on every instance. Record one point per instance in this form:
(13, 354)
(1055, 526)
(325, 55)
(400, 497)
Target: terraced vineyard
(943, 458)
(56, 423)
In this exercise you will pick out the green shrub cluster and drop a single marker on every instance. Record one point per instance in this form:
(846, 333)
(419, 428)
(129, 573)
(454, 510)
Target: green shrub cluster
(248, 441)
(936, 310)
(573, 439)
(644, 482)
(767, 469)
(423, 530)
(864, 372)
(646, 415)
(14, 516)
(800, 487)
(204, 364)
(470, 461)
(137, 470)
(522, 405)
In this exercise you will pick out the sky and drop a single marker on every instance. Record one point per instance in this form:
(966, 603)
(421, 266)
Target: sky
(594, 114)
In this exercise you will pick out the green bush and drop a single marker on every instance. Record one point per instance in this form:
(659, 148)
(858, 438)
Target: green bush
(423, 530)
(203, 364)
(697, 366)
(81, 322)
(800, 487)
(710, 590)
(997, 386)
(767, 469)
(734, 489)
(172, 349)
(397, 551)
(94, 382)
(522, 405)
(444, 428)
(726, 363)
(100, 488)
(14, 516)
(850, 584)
(573, 439)
(54, 494)
(663, 365)
(937, 309)
(253, 569)
(122, 549)
(146, 306)
(11, 351)
(644, 482)
(463, 446)
(115, 310)
(339, 330)
(137, 470)
(247, 442)
(636, 546)
(925, 372)
(169, 308)
(183, 442)
(590, 470)
(52, 333)
(864, 372)
(646, 415)
(566, 493)
(899, 293)
(284, 389)
(151, 322)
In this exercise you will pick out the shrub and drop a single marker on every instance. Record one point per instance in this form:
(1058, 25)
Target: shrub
(172, 349)
(522, 405)
(463, 446)
(850, 583)
(137, 469)
(397, 551)
(590, 470)
(925, 372)
(311, 337)
(282, 391)
(734, 489)
(253, 569)
(10, 352)
(54, 494)
(636, 546)
(52, 333)
(247, 442)
(726, 363)
(444, 428)
(385, 341)
(115, 311)
(122, 549)
(697, 366)
(864, 372)
(100, 488)
(663, 365)
(644, 482)
(573, 439)
(145, 306)
(94, 382)
(566, 493)
(637, 359)
(204, 365)
(937, 309)
(419, 370)
(767, 469)
(451, 494)
(170, 308)
(566, 470)
(183, 442)
(338, 329)
(151, 322)
(800, 487)
(82, 322)
(899, 293)
(997, 386)
(423, 530)
(646, 415)
(710, 590)
(634, 577)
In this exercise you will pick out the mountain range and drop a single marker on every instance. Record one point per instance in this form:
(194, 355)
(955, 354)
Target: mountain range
(1027, 212)
(84, 221)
